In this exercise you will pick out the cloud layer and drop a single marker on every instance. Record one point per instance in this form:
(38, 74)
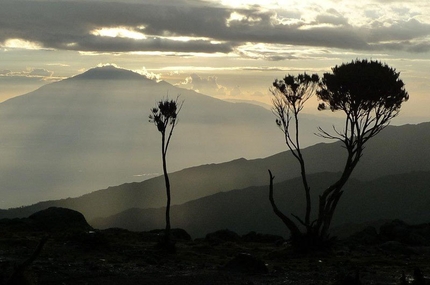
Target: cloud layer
(202, 27)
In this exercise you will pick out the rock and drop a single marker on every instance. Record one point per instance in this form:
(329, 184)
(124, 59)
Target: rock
(394, 230)
(368, 236)
(415, 238)
(246, 263)
(416, 235)
(396, 247)
(180, 235)
(51, 220)
(176, 234)
(15, 225)
(59, 219)
(262, 238)
(222, 236)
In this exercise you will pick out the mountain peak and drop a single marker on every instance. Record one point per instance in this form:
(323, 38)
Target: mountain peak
(110, 72)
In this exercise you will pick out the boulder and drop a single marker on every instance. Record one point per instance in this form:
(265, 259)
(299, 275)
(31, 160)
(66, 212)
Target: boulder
(394, 230)
(175, 234)
(367, 236)
(222, 236)
(416, 235)
(56, 219)
(262, 238)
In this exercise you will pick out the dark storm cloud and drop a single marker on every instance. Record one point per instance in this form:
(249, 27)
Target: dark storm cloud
(110, 44)
(405, 46)
(401, 30)
(411, 36)
(420, 48)
(68, 25)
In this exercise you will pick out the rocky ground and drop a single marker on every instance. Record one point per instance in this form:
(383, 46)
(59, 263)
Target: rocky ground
(82, 255)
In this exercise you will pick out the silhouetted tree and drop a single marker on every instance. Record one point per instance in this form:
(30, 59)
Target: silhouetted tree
(165, 118)
(290, 95)
(370, 94)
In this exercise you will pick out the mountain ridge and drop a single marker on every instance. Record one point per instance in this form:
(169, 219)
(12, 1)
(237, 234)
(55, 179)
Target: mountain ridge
(80, 134)
(110, 72)
(197, 182)
(245, 210)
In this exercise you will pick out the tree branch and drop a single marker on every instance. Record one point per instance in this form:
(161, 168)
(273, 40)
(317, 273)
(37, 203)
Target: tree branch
(287, 221)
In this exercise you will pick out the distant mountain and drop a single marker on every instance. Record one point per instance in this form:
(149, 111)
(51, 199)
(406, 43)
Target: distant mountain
(91, 131)
(396, 150)
(403, 196)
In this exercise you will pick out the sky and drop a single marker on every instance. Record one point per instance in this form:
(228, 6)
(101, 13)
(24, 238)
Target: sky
(231, 49)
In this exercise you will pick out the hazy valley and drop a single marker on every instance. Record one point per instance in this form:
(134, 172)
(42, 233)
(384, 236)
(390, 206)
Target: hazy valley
(91, 131)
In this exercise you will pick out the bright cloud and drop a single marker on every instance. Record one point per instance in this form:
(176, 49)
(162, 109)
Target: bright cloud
(21, 44)
(206, 85)
(148, 74)
(120, 32)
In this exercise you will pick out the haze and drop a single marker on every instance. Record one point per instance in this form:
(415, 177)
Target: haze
(229, 50)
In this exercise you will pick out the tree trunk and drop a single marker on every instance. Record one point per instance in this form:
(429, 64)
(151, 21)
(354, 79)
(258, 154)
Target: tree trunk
(331, 196)
(167, 182)
(294, 230)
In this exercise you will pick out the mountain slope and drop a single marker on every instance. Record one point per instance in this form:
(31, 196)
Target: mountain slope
(91, 131)
(395, 150)
(404, 196)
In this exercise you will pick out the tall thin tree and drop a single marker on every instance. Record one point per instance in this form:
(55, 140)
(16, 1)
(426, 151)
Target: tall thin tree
(289, 97)
(165, 118)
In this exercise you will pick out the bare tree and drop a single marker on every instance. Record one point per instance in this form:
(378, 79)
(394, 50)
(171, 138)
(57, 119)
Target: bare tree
(370, 94)
(165, 118)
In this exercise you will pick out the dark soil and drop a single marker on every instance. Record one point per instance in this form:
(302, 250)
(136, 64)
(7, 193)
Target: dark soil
(117, 256)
